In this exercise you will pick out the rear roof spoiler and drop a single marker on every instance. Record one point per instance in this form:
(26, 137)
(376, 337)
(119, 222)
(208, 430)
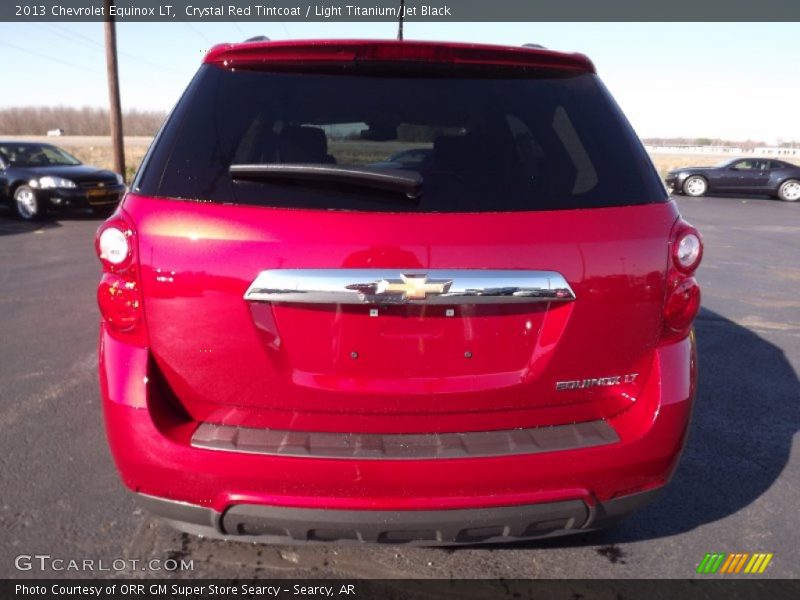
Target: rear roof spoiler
(331, 52)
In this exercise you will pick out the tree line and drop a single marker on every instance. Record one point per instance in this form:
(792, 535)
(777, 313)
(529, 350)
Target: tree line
(705, 141)
(36, 120)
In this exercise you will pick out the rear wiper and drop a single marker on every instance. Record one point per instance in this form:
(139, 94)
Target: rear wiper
(393, 180)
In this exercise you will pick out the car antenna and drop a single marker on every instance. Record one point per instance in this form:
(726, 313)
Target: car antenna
(400, 20)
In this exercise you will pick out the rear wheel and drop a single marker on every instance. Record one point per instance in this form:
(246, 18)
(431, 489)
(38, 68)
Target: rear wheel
(789, 190)
(695, 186)
(27, 204)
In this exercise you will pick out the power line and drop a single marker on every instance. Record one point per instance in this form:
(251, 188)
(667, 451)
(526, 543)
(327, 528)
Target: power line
(52, 58)
(86, 41)
(127, 78)
(200, 33)
(74, 34)
(149, 63)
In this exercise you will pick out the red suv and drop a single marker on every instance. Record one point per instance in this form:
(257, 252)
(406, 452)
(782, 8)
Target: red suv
(305, 338)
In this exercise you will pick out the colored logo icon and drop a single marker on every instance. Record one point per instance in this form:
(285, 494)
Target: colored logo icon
(742, 562)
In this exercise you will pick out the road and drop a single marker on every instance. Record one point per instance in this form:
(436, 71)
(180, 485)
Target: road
(736, 489)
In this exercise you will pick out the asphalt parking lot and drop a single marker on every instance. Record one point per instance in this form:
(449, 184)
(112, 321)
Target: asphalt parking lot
(736, 489)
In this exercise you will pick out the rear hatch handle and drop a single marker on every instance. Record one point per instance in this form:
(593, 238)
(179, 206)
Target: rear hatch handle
(392, 286)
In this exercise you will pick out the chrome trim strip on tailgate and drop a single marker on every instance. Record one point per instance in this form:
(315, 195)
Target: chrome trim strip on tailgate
(393, 286)
(406, 446)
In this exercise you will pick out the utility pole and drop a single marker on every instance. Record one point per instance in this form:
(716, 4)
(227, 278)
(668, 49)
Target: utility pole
(400, 23)
(114, 104)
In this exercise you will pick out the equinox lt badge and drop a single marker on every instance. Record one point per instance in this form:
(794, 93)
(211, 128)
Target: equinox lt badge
(582, 384)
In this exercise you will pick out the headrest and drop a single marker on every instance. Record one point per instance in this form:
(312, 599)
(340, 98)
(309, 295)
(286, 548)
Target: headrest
(458, 152)
(303, 144)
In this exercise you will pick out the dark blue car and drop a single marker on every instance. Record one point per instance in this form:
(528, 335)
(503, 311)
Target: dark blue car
(745, 175)
(37, 178)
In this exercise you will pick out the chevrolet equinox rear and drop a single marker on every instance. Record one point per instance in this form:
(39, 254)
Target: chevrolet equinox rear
(396, 292)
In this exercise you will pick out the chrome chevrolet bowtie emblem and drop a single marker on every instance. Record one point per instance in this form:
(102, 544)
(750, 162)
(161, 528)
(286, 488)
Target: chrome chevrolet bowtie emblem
(412, 287)
(394, 286)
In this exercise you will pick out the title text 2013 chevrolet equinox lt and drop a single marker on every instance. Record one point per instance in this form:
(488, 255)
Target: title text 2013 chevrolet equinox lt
(303, 340)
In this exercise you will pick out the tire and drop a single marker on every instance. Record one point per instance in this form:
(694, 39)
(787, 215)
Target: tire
(27, 205)
(789, 191)
(695, 186)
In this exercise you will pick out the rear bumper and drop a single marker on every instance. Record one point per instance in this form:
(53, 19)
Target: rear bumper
(280, 525)
(514, 495)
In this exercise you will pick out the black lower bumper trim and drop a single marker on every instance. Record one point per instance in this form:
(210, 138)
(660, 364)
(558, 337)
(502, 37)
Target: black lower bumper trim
(281, 525)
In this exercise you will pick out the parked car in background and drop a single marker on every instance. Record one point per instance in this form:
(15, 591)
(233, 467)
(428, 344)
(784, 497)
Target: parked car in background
(416, 158)
(493, 346)
(745, 175)
(38, 178)
(55, 132)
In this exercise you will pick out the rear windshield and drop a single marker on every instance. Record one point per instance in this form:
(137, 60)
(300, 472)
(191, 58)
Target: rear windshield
(479, 143)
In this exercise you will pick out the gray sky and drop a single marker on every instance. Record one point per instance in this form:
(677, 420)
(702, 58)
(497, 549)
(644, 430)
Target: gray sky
(729, 80)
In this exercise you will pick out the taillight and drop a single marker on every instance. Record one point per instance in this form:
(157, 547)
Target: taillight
(114, 245)
(682, 301)
(120, 302)
(687, 251)
(119, 294)
(682, 305)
